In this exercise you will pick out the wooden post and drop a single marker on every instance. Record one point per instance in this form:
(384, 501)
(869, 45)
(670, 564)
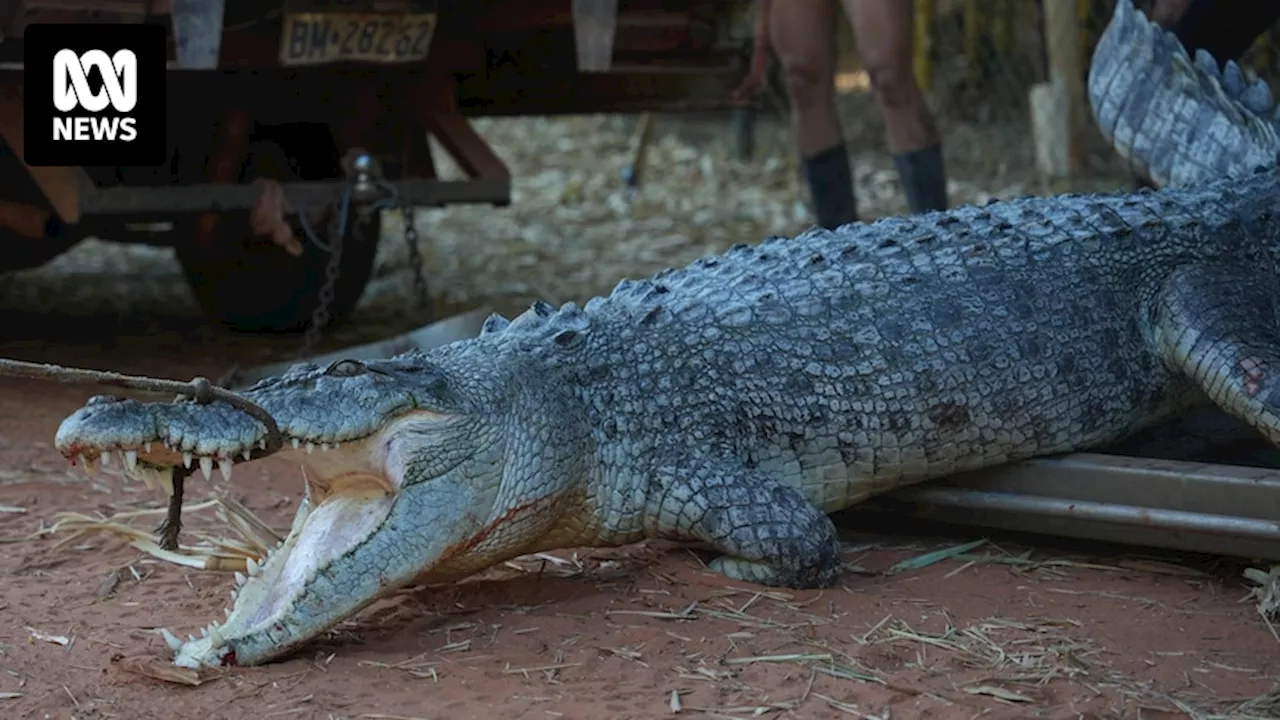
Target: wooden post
(1066, 66)
(1002, 27)
(1051, 132)
(1084, 31)
(922, 52)
(974, 21)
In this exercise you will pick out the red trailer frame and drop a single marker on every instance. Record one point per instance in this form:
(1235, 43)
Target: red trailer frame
(254, 96)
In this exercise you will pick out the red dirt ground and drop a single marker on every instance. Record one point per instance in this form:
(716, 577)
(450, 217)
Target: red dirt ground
(608, 635)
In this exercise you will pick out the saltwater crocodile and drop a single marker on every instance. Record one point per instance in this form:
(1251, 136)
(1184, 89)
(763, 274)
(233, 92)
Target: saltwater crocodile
(1174, 119)
(736, 401)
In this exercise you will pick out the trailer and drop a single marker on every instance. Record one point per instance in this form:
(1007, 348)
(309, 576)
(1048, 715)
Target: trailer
(304, 118)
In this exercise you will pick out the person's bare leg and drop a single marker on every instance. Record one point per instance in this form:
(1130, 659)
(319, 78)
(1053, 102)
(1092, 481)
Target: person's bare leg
(1166, 12)
(883, 32)
(803, 38)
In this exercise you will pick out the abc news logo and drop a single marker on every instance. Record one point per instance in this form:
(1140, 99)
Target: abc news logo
(71, 90)
(95, 94)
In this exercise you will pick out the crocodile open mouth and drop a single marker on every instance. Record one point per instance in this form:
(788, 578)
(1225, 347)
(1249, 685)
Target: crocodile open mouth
(349, 491)
(391, 493)
(337, 514)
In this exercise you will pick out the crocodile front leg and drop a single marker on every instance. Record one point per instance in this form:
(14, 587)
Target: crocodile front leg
(1218, 324)
(769, 533)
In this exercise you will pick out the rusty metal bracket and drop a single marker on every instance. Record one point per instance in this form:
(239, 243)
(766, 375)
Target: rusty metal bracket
(471, 152)
(1197, 507)
(465, 145)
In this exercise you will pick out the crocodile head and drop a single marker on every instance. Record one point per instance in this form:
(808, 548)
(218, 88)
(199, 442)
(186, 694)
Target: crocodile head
(404, 460)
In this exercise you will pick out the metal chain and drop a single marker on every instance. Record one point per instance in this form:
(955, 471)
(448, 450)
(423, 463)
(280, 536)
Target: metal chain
(337, 232)
(415, 259)
(332, 269)
(391, 200)
(320, 316)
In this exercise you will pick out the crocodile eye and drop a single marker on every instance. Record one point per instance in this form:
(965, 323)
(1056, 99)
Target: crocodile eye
(345, 368)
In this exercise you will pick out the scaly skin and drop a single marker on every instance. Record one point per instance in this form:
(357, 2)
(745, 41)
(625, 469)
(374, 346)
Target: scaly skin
(1174, 120)
(736, 401)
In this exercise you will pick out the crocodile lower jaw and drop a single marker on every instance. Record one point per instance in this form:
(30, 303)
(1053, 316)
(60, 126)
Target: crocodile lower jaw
(335, 516)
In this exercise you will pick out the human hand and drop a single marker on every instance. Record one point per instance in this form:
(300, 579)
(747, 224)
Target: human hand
(268, 217)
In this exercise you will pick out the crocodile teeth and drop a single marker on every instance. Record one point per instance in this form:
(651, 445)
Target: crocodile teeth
(252, 566)
(295, 442)
(224, 467)
(86, 465)
(170, 639)
(310, 449)
(166, 481)
(337, 445)
(215, 637)
(226, 612)
(190, 638)
(324, 446)
(147, 446)
(234, 593)
(131, 459)
(206, 467)
(262, 444)
(246, 455)
(146, 475)
(241, 579)
(186, 459)
(106, 458)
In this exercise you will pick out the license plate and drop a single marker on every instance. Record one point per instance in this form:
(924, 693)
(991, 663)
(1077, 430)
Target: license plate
(322, 38)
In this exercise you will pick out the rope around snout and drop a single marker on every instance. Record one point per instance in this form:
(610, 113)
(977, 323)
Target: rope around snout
(198, 389)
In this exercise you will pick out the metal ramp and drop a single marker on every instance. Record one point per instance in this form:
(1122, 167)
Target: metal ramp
(1176, 504)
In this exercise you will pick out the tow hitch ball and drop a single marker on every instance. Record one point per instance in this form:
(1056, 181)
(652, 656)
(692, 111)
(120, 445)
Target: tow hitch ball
(364, 173)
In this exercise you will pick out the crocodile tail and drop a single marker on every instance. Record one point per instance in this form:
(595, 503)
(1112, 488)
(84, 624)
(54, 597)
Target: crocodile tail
(1176, 120)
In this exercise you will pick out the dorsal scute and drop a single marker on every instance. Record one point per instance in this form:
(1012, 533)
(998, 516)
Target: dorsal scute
(495, 323)
(543, 322)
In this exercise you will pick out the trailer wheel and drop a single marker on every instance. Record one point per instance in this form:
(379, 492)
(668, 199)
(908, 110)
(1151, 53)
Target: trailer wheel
(251, 285)
(24, 253)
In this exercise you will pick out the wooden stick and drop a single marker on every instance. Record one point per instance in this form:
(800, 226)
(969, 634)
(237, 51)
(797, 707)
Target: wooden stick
(1062, 34)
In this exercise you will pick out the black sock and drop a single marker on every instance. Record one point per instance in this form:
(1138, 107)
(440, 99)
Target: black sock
(924, 178)
(831, 187)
